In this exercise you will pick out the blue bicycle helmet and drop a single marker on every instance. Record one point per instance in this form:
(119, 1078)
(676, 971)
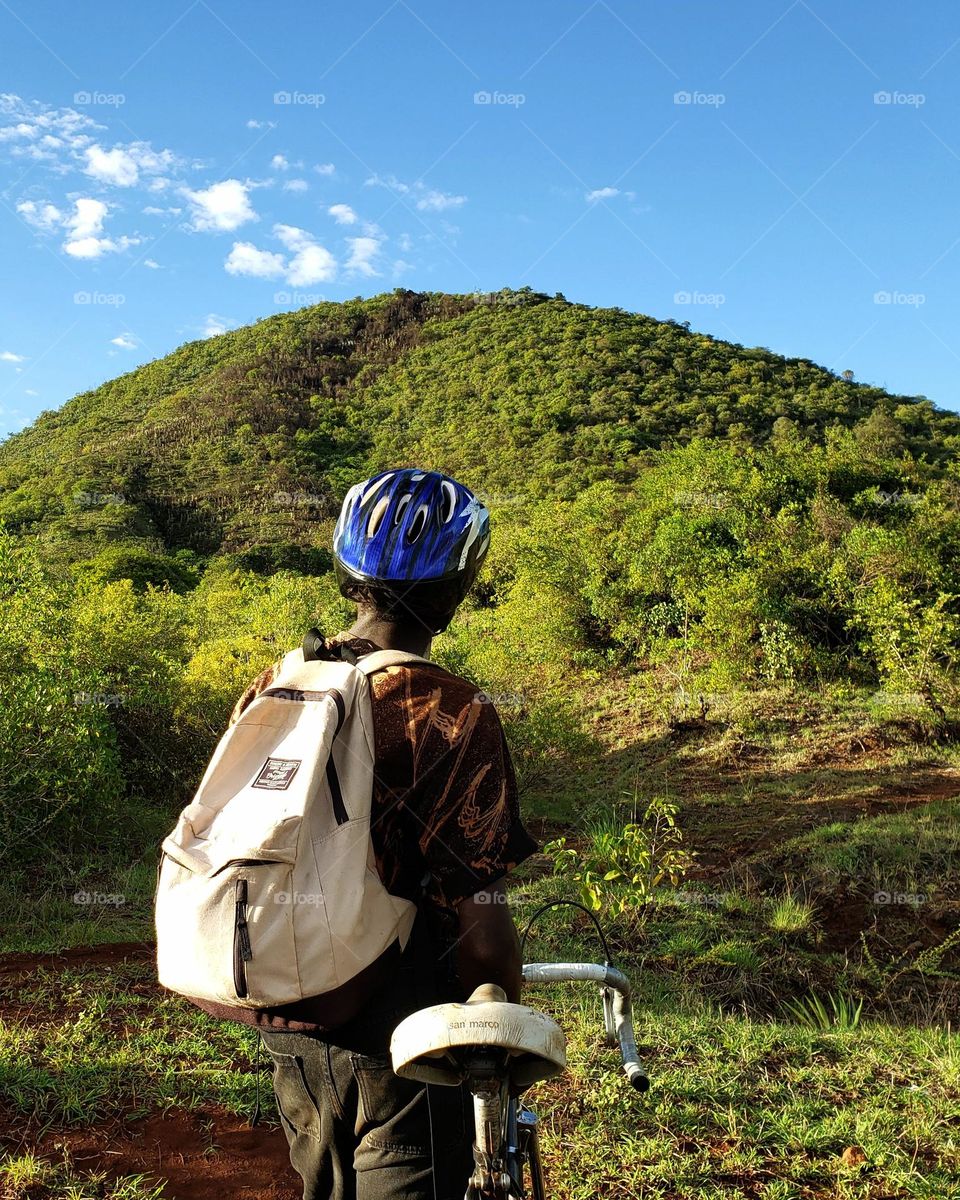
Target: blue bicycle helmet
(411, 533)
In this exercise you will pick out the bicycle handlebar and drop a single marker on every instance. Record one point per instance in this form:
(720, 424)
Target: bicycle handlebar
(617, 1011)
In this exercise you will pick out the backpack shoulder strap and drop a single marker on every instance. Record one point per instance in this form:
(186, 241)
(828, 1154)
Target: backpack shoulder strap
(380, 659)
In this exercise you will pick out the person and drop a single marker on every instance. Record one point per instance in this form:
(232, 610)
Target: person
(446, 831)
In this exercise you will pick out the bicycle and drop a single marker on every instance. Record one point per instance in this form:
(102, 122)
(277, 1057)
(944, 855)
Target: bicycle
(499, 1049)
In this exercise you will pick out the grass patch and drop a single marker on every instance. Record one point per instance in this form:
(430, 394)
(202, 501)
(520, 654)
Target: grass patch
(917, 850)
(27, 1177)
(58, 909)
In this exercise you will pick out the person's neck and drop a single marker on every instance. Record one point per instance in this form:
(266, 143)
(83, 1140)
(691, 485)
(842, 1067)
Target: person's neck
(390, 635)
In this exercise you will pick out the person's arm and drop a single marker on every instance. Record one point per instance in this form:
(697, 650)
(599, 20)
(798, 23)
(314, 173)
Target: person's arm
(489, 949)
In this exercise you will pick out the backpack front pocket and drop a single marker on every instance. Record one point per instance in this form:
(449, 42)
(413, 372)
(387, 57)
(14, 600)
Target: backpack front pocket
(229, 935)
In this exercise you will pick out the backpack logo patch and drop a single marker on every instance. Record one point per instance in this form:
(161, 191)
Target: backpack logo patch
(276, 774)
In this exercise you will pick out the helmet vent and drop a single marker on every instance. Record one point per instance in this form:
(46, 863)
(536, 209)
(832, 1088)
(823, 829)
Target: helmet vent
(417, 524)
(401, 508)
(377, 515)
(450, 494)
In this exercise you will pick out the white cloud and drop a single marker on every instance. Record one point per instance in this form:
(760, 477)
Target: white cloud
(604, 193)
(296, 185)
(124, 341)
(32, 130)
(94, 247)
(434, 201)
(83, 226)
(254, 124)
(44, 216)
(87, 218)
(309, 262)
(324, 168)
(425, 198)
(123, 165)
(215, 325)
(405, 242)
(149, 262)
(30, 392)
(114, 166)
(10, 357)
(279, 163)
(312, 264)
(362, 251)
(292, 237)
(223, 206)
(343, 214)
(245, 259)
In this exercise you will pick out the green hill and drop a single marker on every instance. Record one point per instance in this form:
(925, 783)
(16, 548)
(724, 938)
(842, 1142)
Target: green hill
(681, 520)
(240, 442)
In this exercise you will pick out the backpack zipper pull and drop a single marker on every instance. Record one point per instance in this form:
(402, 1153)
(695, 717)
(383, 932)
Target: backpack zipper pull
(243, 930)
(242, 950)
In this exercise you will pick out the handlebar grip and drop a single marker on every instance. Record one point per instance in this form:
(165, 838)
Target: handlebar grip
(638, 1077)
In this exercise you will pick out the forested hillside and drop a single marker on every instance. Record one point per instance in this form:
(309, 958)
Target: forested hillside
(667, 508)
(239, 442)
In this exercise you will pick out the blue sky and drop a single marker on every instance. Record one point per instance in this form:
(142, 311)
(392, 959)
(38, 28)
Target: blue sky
(777, 174)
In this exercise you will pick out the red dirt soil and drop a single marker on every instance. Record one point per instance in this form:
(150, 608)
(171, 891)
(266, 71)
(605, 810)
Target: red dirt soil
(204, 1155)
(208, 1154)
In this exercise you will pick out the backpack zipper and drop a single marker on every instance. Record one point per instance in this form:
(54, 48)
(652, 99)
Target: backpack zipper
(242, 952)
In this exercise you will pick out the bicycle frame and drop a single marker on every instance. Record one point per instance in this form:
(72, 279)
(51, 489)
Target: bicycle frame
(506, 1148)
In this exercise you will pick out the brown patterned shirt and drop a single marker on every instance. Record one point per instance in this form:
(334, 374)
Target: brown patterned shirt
(445, 808)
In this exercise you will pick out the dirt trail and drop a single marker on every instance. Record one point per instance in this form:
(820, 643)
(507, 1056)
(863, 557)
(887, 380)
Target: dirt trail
(208, 1154)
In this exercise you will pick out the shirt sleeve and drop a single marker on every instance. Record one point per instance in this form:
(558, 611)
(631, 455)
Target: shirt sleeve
(262, 681)
(472, 833)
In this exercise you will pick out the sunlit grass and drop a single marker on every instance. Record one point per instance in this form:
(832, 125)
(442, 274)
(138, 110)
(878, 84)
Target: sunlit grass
(27, 1177)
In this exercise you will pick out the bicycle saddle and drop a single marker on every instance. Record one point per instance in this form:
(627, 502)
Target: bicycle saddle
(429, 1044)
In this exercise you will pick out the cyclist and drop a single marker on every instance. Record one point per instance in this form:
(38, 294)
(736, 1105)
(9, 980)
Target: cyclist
(446, 830)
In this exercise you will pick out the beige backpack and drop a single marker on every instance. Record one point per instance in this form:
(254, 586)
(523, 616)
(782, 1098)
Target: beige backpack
(268, 891)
